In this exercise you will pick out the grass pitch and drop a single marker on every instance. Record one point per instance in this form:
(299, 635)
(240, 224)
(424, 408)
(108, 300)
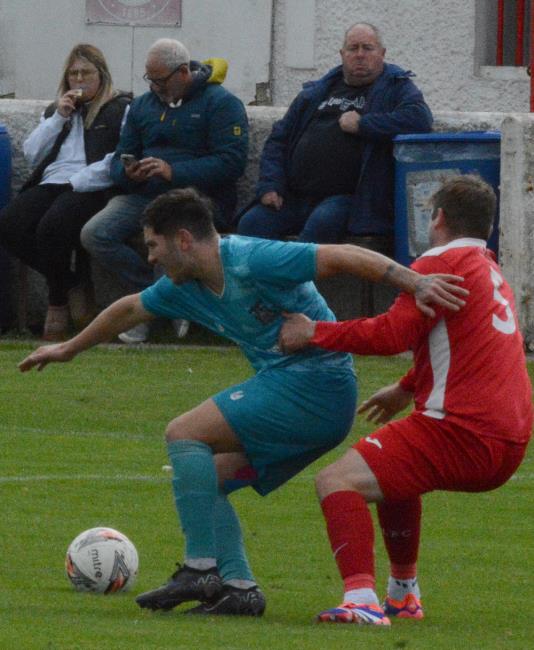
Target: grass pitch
(82, 446)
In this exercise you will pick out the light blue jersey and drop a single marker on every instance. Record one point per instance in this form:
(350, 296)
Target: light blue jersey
(262, 279)
(297, 406)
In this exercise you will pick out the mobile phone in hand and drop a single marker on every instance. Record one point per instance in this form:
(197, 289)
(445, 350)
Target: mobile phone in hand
(128, 159)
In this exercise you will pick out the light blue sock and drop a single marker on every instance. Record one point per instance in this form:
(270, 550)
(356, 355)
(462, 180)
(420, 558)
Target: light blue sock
(195, 490)
(232, 560)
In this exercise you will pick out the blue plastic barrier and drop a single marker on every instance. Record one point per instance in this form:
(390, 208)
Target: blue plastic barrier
(5, 166)
(5, 195)
(422, 163)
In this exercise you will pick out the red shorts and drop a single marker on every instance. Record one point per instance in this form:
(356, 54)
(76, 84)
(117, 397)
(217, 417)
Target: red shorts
(419, 454)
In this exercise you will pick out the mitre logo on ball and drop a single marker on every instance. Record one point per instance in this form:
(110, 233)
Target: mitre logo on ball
(101, 560)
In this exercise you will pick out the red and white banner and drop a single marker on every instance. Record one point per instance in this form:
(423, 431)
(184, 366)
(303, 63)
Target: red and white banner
(140, 13)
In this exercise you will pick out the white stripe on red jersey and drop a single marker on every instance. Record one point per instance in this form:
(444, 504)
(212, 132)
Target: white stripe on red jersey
(470, 365)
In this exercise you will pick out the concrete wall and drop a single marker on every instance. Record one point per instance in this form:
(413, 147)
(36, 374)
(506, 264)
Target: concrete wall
(21, 117)
(517, 215)
(445, 42)
(517, 189)
(7, 47)
(449, 44)
(37, 40)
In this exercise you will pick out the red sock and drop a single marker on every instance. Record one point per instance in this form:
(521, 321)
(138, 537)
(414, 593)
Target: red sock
(351, 533)
(401, 527)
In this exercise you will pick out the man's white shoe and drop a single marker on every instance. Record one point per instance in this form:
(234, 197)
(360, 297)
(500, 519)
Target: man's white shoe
(138, 334)
(181, 327)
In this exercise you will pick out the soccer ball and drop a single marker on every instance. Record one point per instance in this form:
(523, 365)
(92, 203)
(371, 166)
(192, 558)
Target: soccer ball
(101, 560)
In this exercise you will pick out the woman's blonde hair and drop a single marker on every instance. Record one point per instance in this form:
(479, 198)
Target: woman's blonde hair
(105, 91)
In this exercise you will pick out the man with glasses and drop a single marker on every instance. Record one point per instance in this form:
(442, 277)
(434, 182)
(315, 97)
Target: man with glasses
(186, 131)
(327, 168)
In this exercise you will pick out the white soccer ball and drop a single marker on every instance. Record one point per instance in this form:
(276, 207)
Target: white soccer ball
(102, 560)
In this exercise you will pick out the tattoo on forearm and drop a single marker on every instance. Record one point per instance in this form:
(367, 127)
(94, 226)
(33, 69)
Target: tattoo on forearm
(420, 285)
(389, 275)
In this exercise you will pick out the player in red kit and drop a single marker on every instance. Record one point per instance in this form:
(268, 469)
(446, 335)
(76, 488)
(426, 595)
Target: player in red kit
(473, 407)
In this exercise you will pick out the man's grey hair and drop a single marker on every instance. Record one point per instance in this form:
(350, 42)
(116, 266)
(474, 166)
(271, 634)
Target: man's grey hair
(372, 27)
(171, 53)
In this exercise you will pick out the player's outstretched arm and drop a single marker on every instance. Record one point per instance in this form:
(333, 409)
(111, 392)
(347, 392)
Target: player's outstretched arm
(118, 317)
(438, 289)
(385, 403)
(44, 355)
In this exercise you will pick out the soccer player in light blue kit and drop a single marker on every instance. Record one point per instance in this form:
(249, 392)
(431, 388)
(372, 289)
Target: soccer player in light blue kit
(260, 432)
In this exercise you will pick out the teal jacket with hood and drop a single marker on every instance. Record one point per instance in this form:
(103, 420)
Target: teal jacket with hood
(204, 140)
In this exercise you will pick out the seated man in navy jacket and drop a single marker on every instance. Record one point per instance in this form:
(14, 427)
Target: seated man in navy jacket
(327, 168)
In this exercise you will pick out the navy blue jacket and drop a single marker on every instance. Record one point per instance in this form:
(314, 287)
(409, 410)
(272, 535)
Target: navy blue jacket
(394, 105)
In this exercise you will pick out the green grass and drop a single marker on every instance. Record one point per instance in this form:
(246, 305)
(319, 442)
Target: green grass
(82, 446)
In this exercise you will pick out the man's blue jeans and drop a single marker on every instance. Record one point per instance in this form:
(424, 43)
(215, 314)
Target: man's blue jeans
(324, 222)
(106, 234)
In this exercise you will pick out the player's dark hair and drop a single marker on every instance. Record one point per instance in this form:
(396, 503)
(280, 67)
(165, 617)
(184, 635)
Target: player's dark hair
(469, 204)
(184, 208)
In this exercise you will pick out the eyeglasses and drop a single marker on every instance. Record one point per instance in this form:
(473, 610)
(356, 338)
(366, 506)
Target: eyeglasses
(84, 73)
(160, 83)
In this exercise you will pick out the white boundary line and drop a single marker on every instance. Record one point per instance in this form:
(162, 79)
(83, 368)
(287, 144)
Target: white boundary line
(81, 434)
(83, 477)
(522, 477)
(137, 347)
(143, 478)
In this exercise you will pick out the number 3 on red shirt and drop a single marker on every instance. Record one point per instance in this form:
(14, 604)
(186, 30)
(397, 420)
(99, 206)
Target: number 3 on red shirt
(507, 325)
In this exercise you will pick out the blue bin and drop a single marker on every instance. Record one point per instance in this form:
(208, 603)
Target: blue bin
(422, 163)
(5, 167)
(5, 195)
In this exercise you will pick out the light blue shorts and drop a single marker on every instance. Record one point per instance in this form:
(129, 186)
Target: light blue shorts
(287, 418)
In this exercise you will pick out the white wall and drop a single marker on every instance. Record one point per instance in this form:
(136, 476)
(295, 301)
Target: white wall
(442, 41)
(436, 39)
(7, 48)
(45, 31)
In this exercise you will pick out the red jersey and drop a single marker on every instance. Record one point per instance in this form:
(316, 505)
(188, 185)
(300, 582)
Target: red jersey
(469, 365)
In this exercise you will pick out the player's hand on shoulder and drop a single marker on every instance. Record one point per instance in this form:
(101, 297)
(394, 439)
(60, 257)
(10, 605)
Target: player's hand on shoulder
(44, 355)
(439, 289)
(385, 403)
(296, 332)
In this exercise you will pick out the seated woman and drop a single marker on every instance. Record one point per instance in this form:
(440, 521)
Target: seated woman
(70, 152)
